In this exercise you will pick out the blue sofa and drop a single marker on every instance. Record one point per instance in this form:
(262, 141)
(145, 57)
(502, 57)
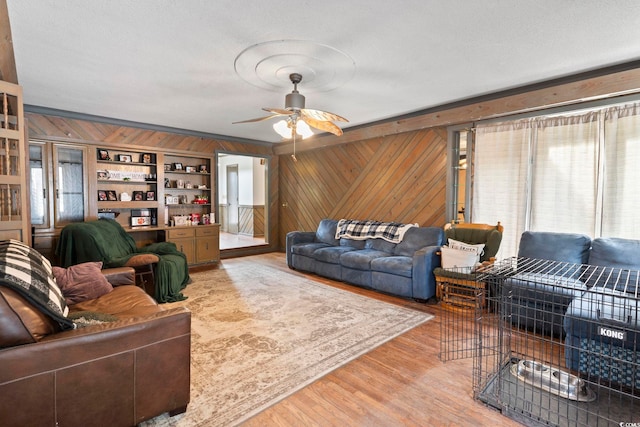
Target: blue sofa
(537, 299)
(602, 325)
(588, 291)
(404, 269)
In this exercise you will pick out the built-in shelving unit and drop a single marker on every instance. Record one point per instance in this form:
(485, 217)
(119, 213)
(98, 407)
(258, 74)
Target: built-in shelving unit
(13, 174)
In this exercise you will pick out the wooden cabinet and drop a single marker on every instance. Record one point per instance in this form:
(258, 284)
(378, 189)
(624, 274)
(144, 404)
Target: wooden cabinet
(207, 244)
(201, 244)
(184, 238)
(14, 221)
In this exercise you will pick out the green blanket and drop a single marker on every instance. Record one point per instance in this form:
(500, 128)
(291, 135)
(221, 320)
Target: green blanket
(105, 240)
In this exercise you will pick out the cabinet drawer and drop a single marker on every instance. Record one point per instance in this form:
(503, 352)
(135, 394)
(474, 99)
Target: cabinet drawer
(208, 231)
(180, 233)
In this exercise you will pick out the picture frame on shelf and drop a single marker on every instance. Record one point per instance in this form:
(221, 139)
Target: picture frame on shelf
(190, 169)
(202, 168)
(112, 196)
(103, 154)
(146, 158)
(151, 195)
(103, 175)
(167, 167)
(126, 158)
(102, 195)
(177, 166)
(138, 196)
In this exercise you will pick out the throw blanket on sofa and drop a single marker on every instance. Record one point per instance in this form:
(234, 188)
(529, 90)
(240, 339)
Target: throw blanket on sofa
(361, 230)
(105, 240)
(27, 272)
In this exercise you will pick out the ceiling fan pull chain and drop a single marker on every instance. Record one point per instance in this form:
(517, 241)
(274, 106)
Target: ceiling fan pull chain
(294, 131)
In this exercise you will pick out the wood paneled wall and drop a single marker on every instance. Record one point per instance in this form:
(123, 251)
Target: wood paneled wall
(400, 177)
(62, 129)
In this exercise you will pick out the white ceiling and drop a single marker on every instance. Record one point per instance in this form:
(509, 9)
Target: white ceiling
(171, 62)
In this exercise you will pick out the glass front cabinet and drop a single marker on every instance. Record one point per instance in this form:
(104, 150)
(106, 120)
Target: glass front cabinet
(58, 186)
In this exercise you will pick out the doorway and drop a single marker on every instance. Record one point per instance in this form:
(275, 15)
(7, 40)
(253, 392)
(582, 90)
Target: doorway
(242, 200)
(232, 199)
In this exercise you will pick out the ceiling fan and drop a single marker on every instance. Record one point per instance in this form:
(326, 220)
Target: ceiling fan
(295, 111)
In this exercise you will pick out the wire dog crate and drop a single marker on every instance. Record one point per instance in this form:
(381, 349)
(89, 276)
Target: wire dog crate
(561, 345)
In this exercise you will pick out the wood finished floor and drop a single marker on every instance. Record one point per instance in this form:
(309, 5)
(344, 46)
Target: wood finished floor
(401, 383)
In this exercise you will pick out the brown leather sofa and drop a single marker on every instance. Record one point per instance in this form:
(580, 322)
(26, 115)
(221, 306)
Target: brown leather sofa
(117, 373)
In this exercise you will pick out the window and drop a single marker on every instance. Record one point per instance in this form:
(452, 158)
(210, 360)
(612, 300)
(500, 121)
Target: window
(565, 173)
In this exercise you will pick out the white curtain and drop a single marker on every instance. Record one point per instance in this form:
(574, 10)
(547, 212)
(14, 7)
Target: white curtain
(564, 173)
(621, 203)
(573, 173)
(500, 181)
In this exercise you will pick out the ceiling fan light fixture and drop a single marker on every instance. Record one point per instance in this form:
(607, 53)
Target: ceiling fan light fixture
(283, 128)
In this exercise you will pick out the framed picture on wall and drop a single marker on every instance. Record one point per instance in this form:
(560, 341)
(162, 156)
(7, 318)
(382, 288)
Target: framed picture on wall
(146, 158)
(103, 154)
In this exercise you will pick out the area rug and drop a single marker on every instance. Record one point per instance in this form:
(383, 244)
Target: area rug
(260, 333)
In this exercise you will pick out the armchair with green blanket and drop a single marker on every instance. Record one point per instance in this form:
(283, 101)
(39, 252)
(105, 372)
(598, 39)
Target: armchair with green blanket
(105, 240)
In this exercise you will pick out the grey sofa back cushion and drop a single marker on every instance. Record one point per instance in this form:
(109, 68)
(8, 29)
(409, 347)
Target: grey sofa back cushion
(380, 245)
(326, 232)
(563, 247)
(352, 243)
(419, 237)
(615, 252)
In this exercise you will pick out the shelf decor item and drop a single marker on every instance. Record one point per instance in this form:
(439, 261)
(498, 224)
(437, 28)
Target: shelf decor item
(103, 154)
(126, 158)
(146, 158)
(151, 195)
(138, 196)
(111, 195)
(177, 166)
(103, 174)
(102, 195)
(190, 169)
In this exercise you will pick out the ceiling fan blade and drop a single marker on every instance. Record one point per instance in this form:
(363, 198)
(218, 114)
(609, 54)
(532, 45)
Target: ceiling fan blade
(323, 125)
(279, 111)
(322, 115)
(259, 119)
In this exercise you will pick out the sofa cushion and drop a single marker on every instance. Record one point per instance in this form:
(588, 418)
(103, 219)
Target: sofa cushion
(326, 232)
(563, 247)
(356, 244)
(615, 252)
(20, 321)
(380, 245)
(308, 249)
(419, 237)
(331, 254)
(82, 282)
(123, 302)
(398, 265)
(361, 260)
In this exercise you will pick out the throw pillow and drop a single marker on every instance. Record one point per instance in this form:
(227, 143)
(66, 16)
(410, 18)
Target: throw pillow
(82, 282)
(462, 260)
(462, 246)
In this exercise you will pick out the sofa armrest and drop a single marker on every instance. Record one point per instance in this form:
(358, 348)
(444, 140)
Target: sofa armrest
(140, 366)
(424, 282)
(295, 237)
(119, 276)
